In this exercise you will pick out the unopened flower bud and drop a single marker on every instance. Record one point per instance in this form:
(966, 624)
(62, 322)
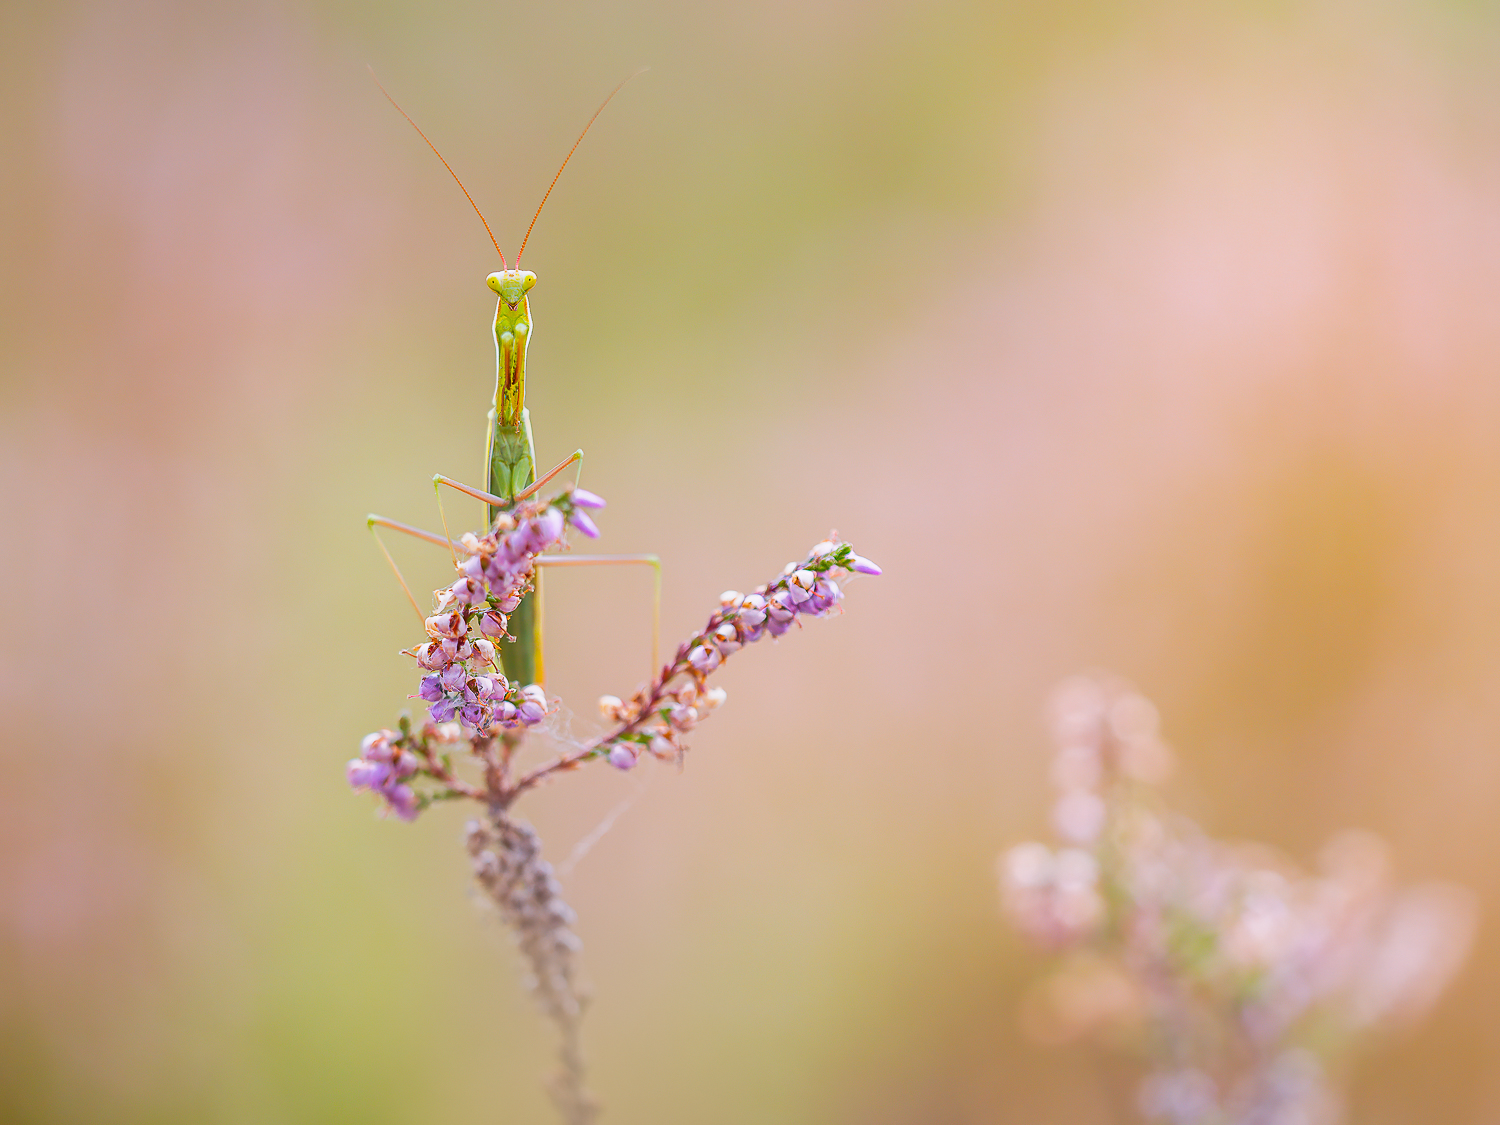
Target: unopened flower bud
(505, 522)
(580, 519)
(705, 658)
(622, 756)
(729, 598)
(366, 775)
(469, 542)
(536, 693)
(863, 565)
(402, 801)
(662, 747)
(548, 527)
(827, 547)
(531, 712)
(586, 499)
(715, 697)
(611, 706)
(683, 718)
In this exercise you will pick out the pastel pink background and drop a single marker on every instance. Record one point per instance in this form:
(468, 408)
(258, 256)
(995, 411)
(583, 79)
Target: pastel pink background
(1160, 338)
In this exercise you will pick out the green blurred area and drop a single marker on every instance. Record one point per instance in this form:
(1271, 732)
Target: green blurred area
(1157, 337)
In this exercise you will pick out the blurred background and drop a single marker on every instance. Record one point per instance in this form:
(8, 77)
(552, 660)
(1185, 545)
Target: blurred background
(1155, 337)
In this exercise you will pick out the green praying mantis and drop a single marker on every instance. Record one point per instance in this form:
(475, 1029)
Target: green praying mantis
(510, 452)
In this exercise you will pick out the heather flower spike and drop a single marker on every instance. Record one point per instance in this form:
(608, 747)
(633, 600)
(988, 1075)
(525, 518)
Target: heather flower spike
(1240, 979)
(479, 672)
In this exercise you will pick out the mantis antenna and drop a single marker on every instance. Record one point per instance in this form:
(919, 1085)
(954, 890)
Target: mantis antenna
(454, 174)
(564, 164)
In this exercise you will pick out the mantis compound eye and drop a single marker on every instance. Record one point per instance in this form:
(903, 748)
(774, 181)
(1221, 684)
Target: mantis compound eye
(528, 279)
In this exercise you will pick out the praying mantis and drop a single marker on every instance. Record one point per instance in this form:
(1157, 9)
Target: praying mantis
(510, 451)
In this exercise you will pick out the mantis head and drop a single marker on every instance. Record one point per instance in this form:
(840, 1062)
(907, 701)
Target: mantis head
(512, 287)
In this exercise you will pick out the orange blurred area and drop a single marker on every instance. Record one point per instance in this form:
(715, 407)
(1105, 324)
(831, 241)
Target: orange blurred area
(1153, 338)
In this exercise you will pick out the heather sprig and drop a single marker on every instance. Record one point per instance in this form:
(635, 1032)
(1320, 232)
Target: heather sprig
(1241, 980)
(477, 721)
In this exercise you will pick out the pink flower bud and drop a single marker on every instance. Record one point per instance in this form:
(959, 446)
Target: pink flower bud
(580, 519)
(377, 747)
(729, 598)
(715, 697)
(622, 756)
(662, 747)
(531, 712)
(473, 567)
(366, 775)
(509, 603)
(402, 801)
(683, 718)
(469, 542)
(586, 499)
(505, 712)
(450, 625)
(406, 764)
(548, 528)
(862, 565)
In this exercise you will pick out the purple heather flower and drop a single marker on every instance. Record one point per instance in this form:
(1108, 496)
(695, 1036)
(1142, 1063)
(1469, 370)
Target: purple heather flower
(781, 607)
(364, 774)
(377, 747)
(726, 638)
(493, 624)
(862, 565)
(453, 677)
(447, 625)
(473, 567)
(531, 712)
(468, 591)
(704, 658)
(443, 710)
(753, 610)
(509, 603)
(473, 714)
(430, 656)
(586, 499)
(505, 712)
(548, 528)
(580, 520)
(402, 801)
(431, 689)
(621, 756)
(407, 763)
(776, 626)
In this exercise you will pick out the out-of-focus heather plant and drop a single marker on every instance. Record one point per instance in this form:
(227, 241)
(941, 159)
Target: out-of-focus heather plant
(1241, 982)
(467, 746)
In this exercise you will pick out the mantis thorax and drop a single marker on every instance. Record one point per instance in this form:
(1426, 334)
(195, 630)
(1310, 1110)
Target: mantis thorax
(512, 330)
